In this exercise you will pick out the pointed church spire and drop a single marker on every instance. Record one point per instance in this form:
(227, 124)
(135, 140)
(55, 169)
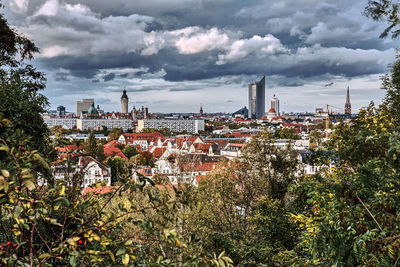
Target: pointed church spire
(347, 106)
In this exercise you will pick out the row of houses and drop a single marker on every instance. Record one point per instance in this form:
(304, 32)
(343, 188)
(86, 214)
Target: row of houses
(183, 159)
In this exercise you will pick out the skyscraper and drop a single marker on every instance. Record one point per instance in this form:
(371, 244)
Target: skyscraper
(275, 105)
(257, 99)
(124, 102)
(347, 106)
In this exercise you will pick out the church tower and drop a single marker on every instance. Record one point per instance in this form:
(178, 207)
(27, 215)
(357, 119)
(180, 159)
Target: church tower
(124, 102)
(347, 106)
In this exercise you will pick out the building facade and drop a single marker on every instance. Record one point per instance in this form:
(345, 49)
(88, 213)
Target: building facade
(124, 103)
(66, 123)
(60, 111)
(275, 105)
(88, 124)
(191, 126)
(347, 106)
(83, 105)
(257, 99)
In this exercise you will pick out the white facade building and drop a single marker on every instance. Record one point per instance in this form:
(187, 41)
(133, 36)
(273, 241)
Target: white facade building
(191, 126)
(66, 123)
(87, 124)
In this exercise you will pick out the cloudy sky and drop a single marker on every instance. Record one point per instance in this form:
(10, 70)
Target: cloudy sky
(173, 55)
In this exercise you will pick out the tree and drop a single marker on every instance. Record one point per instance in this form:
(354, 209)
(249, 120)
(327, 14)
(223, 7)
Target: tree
(119, 167)
(148, 130)
(52, 224)
(100, 156)
(114, 134)
(315, 138)
(19, 86)
(129, 151)
(287, 133)
(91, 145)
(386, 10)
(241, 206)
(348, 216)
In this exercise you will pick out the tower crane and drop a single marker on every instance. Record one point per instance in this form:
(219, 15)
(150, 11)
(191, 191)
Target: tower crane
(327, 119)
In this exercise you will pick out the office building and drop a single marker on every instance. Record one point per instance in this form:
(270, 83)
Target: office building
(83, 105)
(257, 99)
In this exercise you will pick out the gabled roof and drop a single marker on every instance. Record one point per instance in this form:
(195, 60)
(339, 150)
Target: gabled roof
(97, 190)
(85, 160)
(110, 150)
(68, 148)
(145, 136)
(158, 152)
(201, 147)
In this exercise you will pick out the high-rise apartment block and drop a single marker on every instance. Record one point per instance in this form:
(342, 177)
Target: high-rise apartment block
(257, 99)
(83, 105)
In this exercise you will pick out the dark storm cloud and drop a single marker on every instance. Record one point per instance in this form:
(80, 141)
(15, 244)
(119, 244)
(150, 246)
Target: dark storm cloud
(192, 41)
(109, 77)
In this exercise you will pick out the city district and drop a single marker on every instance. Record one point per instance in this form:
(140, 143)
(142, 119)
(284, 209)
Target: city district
(184, 147)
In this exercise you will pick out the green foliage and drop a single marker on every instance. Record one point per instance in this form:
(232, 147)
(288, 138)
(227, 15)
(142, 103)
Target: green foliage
(349, 216)
(287, 133)
(129, 151)
(386, 10)
(91, 145)
(240, 208)
(119, 168)
(114, 134)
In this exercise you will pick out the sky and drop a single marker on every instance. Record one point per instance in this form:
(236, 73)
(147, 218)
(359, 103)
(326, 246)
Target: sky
(175, 55)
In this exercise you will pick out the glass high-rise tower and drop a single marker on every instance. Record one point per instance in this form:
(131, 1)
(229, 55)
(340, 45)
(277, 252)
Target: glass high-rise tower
(257, 99)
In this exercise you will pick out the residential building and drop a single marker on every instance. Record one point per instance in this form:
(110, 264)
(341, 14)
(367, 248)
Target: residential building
(87, 124)
(92, 171)
(190, 126)
(66, 123)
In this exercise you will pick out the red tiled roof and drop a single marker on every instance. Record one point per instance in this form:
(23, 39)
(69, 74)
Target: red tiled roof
(202, 147)
(200, 177)
(97, 190)
(237, 135)
(113, 151)
(236, 144)
(68, 148)
(202, 166)
(110, 150)
(158, 152)
(112, 143)
(143, 136)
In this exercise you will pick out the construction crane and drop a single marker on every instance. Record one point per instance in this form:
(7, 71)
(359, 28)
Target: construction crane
(327, 119)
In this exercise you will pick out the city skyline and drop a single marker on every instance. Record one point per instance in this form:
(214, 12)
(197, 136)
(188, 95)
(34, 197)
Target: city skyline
(173, 56)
